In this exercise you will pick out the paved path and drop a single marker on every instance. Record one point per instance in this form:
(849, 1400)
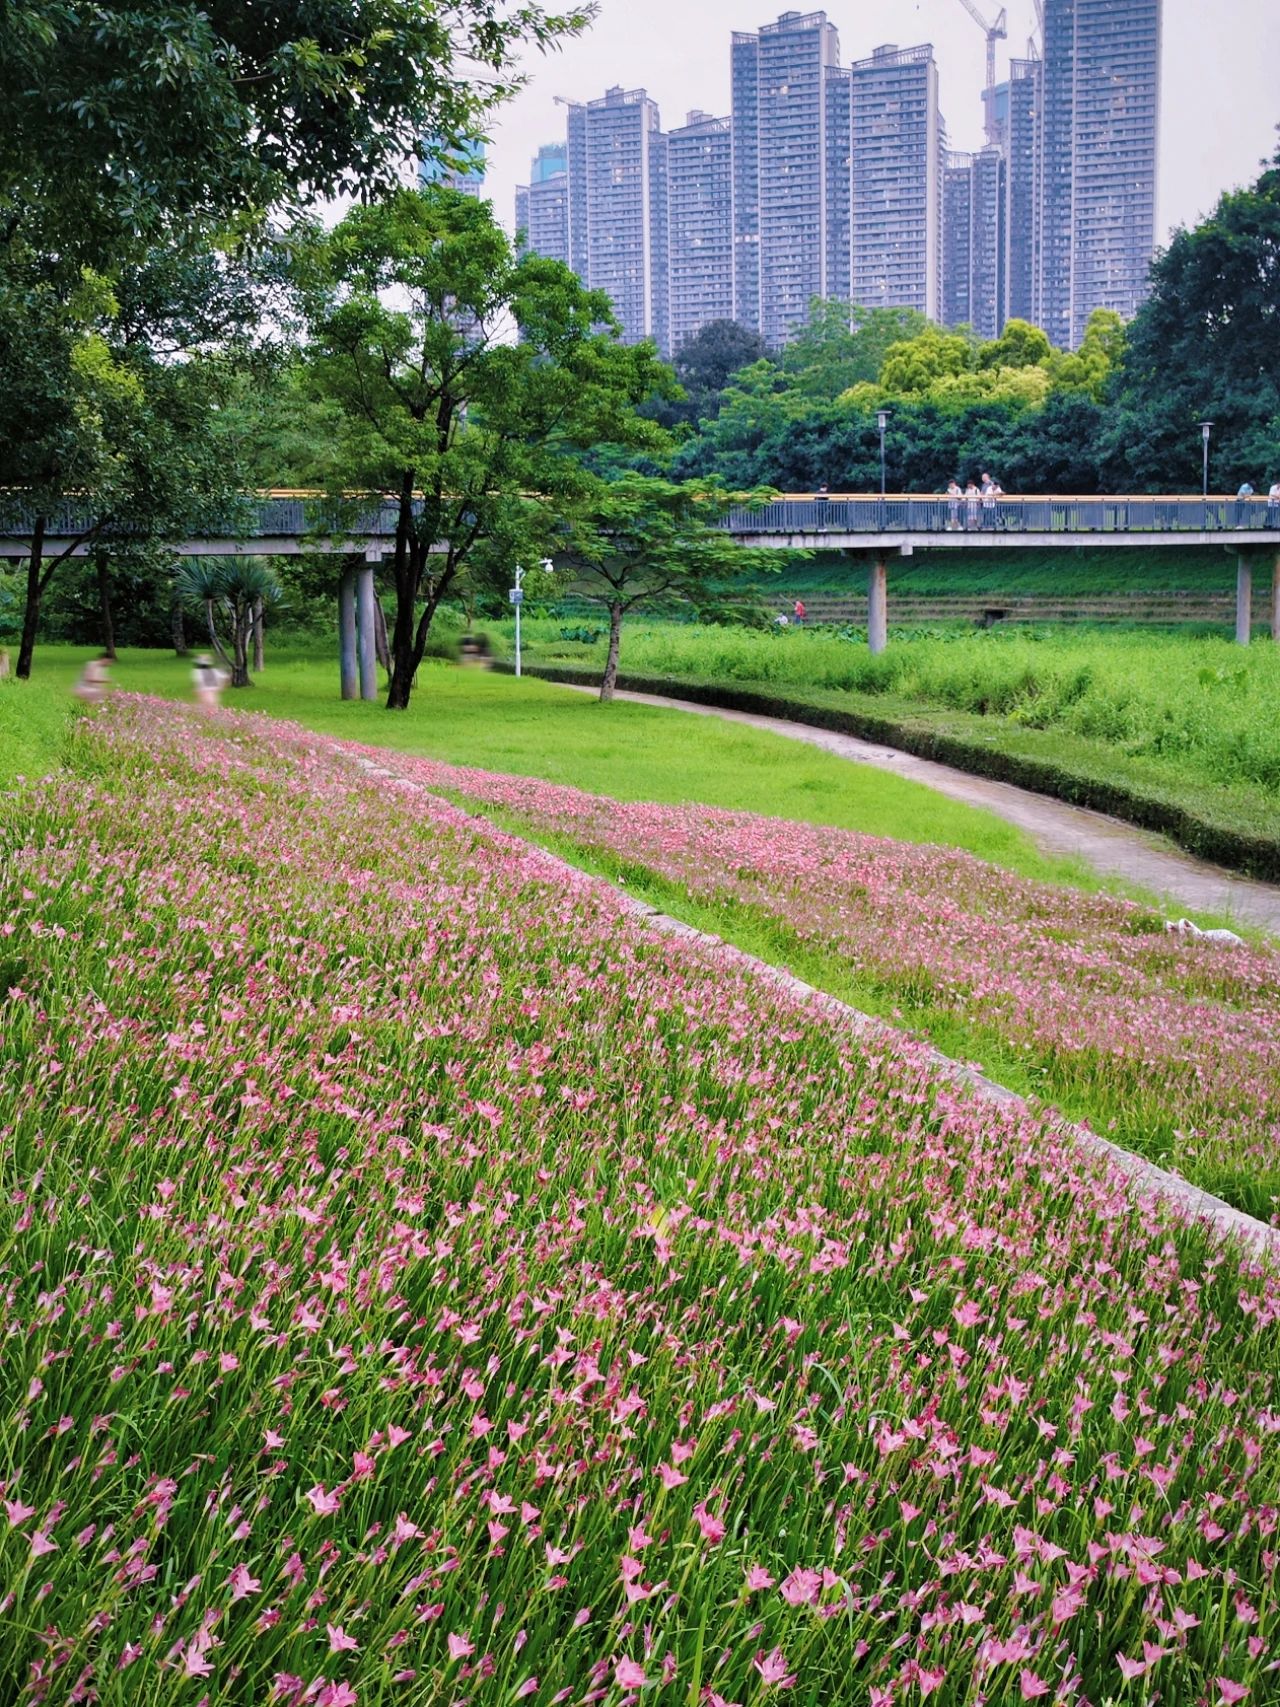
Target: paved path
(1109, 845)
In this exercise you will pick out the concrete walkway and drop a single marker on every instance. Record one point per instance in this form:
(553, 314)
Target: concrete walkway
(1107, 844)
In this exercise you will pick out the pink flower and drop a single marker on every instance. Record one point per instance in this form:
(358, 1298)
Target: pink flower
(460, 1647)
(713, 1529)
(929, 1681)
(802, 1587)
(41, 1544)
(670, 1476)
(773, 1669)
(241, 1583)
(18, 1513)
(227, 1361)
(322, 1503)
(628, 1675)
(1032, 1686)
(337, 1695)
(528, 1687)
(1229, 1693)
(404, 1530)
(758, 1578)
(1129, 1669)
(339, 1641)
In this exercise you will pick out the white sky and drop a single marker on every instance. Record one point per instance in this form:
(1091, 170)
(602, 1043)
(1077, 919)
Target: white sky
(1220, 90)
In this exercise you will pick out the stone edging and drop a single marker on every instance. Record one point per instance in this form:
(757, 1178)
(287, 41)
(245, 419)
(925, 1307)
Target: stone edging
(1148, 1182)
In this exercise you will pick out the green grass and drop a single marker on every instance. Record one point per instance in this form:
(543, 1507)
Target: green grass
(1190, 719)
(630, 752)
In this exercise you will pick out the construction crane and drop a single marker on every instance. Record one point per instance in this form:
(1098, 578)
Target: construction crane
(999, 31)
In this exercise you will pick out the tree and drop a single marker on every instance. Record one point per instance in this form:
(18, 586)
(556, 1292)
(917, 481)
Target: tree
(102, 418)
(1205, 345)
(638, 540)
(842, 345)
(155, 119)
(914, 366)
(1020, 345)
(237, 590)
(437, 407)
(704, 365)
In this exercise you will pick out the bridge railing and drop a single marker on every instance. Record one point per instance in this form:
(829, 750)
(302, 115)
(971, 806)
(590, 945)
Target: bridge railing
(817, 513)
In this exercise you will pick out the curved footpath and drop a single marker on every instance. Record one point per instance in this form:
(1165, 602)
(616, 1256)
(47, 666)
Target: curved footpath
(1113, 848)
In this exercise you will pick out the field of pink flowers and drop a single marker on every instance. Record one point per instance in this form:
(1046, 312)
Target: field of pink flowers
(1166, 1043)
(421, 1285)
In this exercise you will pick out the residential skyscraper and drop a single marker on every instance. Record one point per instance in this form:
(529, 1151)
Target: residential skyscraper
(744, 71)
(898, 155)
(700, 225)
(1097, 137)
(796, 54)
(839, 146)
(542, 205)
(626, 211)
(1115, 122)
(1023, 169)
(957, 239)
(987, 301)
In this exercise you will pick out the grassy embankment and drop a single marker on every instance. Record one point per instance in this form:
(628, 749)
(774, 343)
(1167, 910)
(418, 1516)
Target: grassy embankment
(1177, 732)
(531, 729)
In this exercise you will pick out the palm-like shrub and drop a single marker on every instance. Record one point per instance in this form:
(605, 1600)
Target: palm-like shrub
(236, 590)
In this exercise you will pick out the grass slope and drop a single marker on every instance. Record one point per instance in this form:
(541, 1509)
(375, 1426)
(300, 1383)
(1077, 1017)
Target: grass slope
(529, 728)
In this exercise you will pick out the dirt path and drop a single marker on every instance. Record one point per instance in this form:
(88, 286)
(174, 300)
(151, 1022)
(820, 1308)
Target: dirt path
(1110, 846)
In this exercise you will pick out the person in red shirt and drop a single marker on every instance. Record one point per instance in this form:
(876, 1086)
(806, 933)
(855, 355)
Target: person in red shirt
(798, 612)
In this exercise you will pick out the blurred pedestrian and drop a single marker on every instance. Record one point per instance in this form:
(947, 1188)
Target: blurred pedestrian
(990, 500)
(798, 613)
(95, 680)
(4, 663)
(209, 682)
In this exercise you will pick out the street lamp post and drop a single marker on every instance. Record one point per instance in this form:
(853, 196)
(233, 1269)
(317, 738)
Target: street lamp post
(882, 417)
(516, 596)
(1206, 427)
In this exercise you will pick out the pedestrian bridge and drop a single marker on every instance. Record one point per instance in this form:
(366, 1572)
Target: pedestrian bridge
(872, 529)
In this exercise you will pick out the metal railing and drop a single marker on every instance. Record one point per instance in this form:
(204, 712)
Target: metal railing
(297, 515)
(819, 513)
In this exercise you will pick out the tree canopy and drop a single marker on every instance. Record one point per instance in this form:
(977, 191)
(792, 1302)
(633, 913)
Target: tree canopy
(472, 432)
(124, 123)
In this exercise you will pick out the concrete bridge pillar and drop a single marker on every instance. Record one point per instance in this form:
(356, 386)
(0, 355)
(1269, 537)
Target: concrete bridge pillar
(1275, 599)
(347, 632)
(1244, 600)
(365, 626)
(878, 604)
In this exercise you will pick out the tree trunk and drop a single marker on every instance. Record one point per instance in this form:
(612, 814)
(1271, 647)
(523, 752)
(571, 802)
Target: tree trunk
(104, 604)
(31, 614)
(241, 631)
(213, 635)
(404, 662)
(610, 679)
(259, 658)
(178, 628)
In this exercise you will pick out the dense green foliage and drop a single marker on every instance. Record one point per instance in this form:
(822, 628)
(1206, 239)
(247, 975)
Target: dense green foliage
(158, 120)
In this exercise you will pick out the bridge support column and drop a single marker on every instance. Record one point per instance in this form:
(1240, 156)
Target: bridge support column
(1244, 600)
(347, 633)
(878, 604)
(1275, 599)
(365, 625)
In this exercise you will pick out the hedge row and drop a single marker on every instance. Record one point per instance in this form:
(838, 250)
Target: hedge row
(1255, 854)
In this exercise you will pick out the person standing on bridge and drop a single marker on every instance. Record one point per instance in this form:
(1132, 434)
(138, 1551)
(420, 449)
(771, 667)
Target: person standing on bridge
(972, 500)
(1242, 503)
(954, 495)
(1273, 505)
(990, 500)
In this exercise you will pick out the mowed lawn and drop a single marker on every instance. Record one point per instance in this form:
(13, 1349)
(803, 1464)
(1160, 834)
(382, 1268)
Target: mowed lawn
(530, 728)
